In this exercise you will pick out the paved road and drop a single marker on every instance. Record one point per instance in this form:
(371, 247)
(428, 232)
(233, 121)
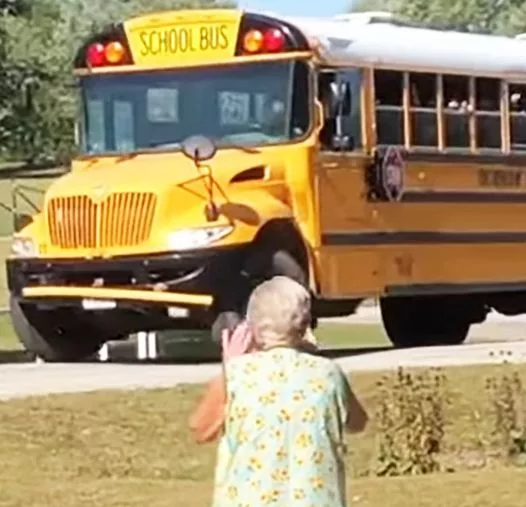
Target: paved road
(19, 380)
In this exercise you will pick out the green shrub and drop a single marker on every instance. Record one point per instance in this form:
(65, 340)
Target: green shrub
(507, 398)
(410, 423)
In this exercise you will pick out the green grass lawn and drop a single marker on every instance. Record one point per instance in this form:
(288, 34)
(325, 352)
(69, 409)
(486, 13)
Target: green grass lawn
(336, 335)
(130, 449)
(5, 247)
(8, 340)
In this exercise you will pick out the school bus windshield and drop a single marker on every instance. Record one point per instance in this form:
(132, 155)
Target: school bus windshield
(240, 105)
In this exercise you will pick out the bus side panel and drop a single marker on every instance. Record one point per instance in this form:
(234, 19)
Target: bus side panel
(447, 230)
(345, 270)
(450, 268)
(451, 229)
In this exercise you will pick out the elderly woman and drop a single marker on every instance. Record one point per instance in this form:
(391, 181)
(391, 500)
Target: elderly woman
(280, 411)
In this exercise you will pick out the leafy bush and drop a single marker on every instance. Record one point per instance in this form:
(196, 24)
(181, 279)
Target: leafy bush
(507, 397)
(38, 41)
(410, 423)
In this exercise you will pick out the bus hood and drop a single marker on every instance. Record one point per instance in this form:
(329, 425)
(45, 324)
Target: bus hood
(128, 206)
(156, 172)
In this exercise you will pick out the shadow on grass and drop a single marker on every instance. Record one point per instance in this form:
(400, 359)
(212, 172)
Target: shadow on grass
(15, 356)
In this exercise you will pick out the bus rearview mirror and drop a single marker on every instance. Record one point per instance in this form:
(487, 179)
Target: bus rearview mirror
(339, 99)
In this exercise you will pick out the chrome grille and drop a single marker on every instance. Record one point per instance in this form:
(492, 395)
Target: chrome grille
(122, 219)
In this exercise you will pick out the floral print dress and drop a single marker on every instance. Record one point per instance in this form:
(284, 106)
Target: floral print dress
(283, 440)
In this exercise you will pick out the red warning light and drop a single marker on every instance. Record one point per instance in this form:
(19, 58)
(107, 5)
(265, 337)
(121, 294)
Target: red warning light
(274, 40)
(96, 55)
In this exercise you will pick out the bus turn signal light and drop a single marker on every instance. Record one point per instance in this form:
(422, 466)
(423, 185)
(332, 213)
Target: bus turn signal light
(115, 53)
(253, 41)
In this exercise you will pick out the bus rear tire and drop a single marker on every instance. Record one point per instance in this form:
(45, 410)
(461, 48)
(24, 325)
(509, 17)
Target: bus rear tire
(52, 336)
(426, 321)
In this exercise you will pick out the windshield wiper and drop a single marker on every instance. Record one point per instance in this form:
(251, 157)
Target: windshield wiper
(246, 149)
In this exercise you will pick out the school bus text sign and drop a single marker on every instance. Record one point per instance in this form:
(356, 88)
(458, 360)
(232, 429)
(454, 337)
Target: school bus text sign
(183, 39)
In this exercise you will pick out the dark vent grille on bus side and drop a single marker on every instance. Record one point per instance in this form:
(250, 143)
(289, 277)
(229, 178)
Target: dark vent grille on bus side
(254, 173)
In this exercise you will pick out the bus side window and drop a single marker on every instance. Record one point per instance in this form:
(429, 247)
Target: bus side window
(423, 110)
(341, 131)
(517, 101)
(456, 111)
(388, 87)
(123, 125)
(487, 112)
(95, 125)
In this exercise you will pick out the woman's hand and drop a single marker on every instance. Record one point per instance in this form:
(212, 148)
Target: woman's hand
(237, 342)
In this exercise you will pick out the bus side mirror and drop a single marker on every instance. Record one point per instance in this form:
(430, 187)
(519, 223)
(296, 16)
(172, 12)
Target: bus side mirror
(339, 100)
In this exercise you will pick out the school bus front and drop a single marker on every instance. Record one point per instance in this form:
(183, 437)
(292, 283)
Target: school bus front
(190, 185)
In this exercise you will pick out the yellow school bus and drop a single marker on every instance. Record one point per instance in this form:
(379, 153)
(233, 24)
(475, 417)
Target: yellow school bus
(360, 155)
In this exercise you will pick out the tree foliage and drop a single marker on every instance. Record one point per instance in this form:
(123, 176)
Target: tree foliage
(38, 40)
(497, 16)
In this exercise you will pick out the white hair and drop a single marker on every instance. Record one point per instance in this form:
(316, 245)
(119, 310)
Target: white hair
(279, 313)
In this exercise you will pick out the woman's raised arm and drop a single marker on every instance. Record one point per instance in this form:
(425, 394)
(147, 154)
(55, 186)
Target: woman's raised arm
(207, 420)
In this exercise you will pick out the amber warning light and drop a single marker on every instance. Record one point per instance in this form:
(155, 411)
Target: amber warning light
(112, 53)
(269, 41)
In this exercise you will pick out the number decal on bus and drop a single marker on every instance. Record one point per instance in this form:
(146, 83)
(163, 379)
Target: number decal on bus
(162, 105)
(234, 108)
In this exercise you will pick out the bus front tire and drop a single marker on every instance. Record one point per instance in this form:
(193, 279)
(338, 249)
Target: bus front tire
(53, 336)
(419, 322)
(269, 264)
(224, 320)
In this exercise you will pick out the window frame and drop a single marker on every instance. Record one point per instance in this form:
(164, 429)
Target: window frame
(360, 98)
(83, 154)
(509, 84)
(473, 147)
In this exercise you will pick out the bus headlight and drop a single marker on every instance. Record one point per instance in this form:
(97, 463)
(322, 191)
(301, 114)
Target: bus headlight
(187, 239)
(23, 247)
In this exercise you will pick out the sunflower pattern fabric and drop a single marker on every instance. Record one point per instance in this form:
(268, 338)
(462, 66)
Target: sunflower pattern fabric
(283, 441)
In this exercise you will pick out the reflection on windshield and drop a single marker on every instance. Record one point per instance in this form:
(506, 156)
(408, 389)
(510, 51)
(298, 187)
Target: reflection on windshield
(238, 106)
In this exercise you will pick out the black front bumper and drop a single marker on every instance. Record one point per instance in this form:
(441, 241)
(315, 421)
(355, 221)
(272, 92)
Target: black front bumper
(206, 271)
